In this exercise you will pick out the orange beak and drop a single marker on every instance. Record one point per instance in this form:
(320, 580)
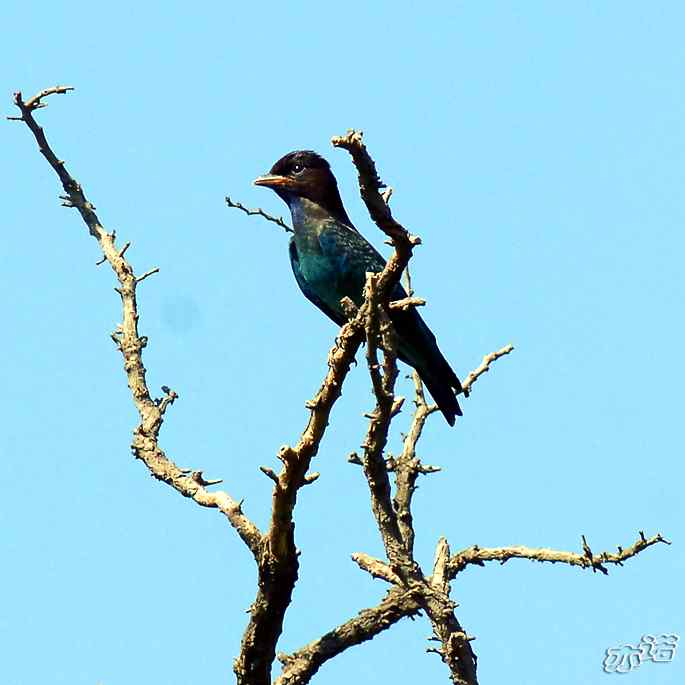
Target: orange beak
(273, 181)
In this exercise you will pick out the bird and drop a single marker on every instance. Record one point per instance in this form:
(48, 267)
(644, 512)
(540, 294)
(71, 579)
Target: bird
(330, 258)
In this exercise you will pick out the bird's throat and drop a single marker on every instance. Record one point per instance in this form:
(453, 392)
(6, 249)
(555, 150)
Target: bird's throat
(307, 215)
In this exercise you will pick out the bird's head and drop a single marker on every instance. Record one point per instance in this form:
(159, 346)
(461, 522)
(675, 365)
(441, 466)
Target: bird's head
(305, 174)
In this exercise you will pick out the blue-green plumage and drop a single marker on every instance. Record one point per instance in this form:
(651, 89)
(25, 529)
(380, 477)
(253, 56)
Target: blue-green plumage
(330, 258)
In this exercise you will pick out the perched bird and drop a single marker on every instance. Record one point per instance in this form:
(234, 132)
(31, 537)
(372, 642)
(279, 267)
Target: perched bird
(330, 259)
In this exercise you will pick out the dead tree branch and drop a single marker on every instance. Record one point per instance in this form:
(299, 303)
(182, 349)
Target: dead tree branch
(476, 555)
(373, 462)
(278, 565)
(299, 667)
(131, 344)
(408, 467)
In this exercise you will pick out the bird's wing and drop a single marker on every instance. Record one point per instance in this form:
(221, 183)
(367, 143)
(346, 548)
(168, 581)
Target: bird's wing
(352, 254)
(337, 317)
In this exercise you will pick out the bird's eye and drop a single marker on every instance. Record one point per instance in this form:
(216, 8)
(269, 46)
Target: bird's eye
(298, 168)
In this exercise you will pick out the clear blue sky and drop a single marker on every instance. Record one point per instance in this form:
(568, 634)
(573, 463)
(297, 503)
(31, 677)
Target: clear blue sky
(537, 148)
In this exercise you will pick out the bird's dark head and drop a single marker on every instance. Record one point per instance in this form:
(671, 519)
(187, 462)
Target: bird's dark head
(305, 174)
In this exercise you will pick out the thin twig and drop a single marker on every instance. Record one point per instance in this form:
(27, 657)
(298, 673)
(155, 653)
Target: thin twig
(36, 102)
(484, 367)
(259, 212)
(140, 279)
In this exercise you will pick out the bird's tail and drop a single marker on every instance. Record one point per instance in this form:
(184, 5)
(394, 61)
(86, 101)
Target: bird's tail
(418, 348)
(444, 386)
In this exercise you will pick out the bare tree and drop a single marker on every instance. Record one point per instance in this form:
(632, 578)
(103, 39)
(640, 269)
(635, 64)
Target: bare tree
(411, 589)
